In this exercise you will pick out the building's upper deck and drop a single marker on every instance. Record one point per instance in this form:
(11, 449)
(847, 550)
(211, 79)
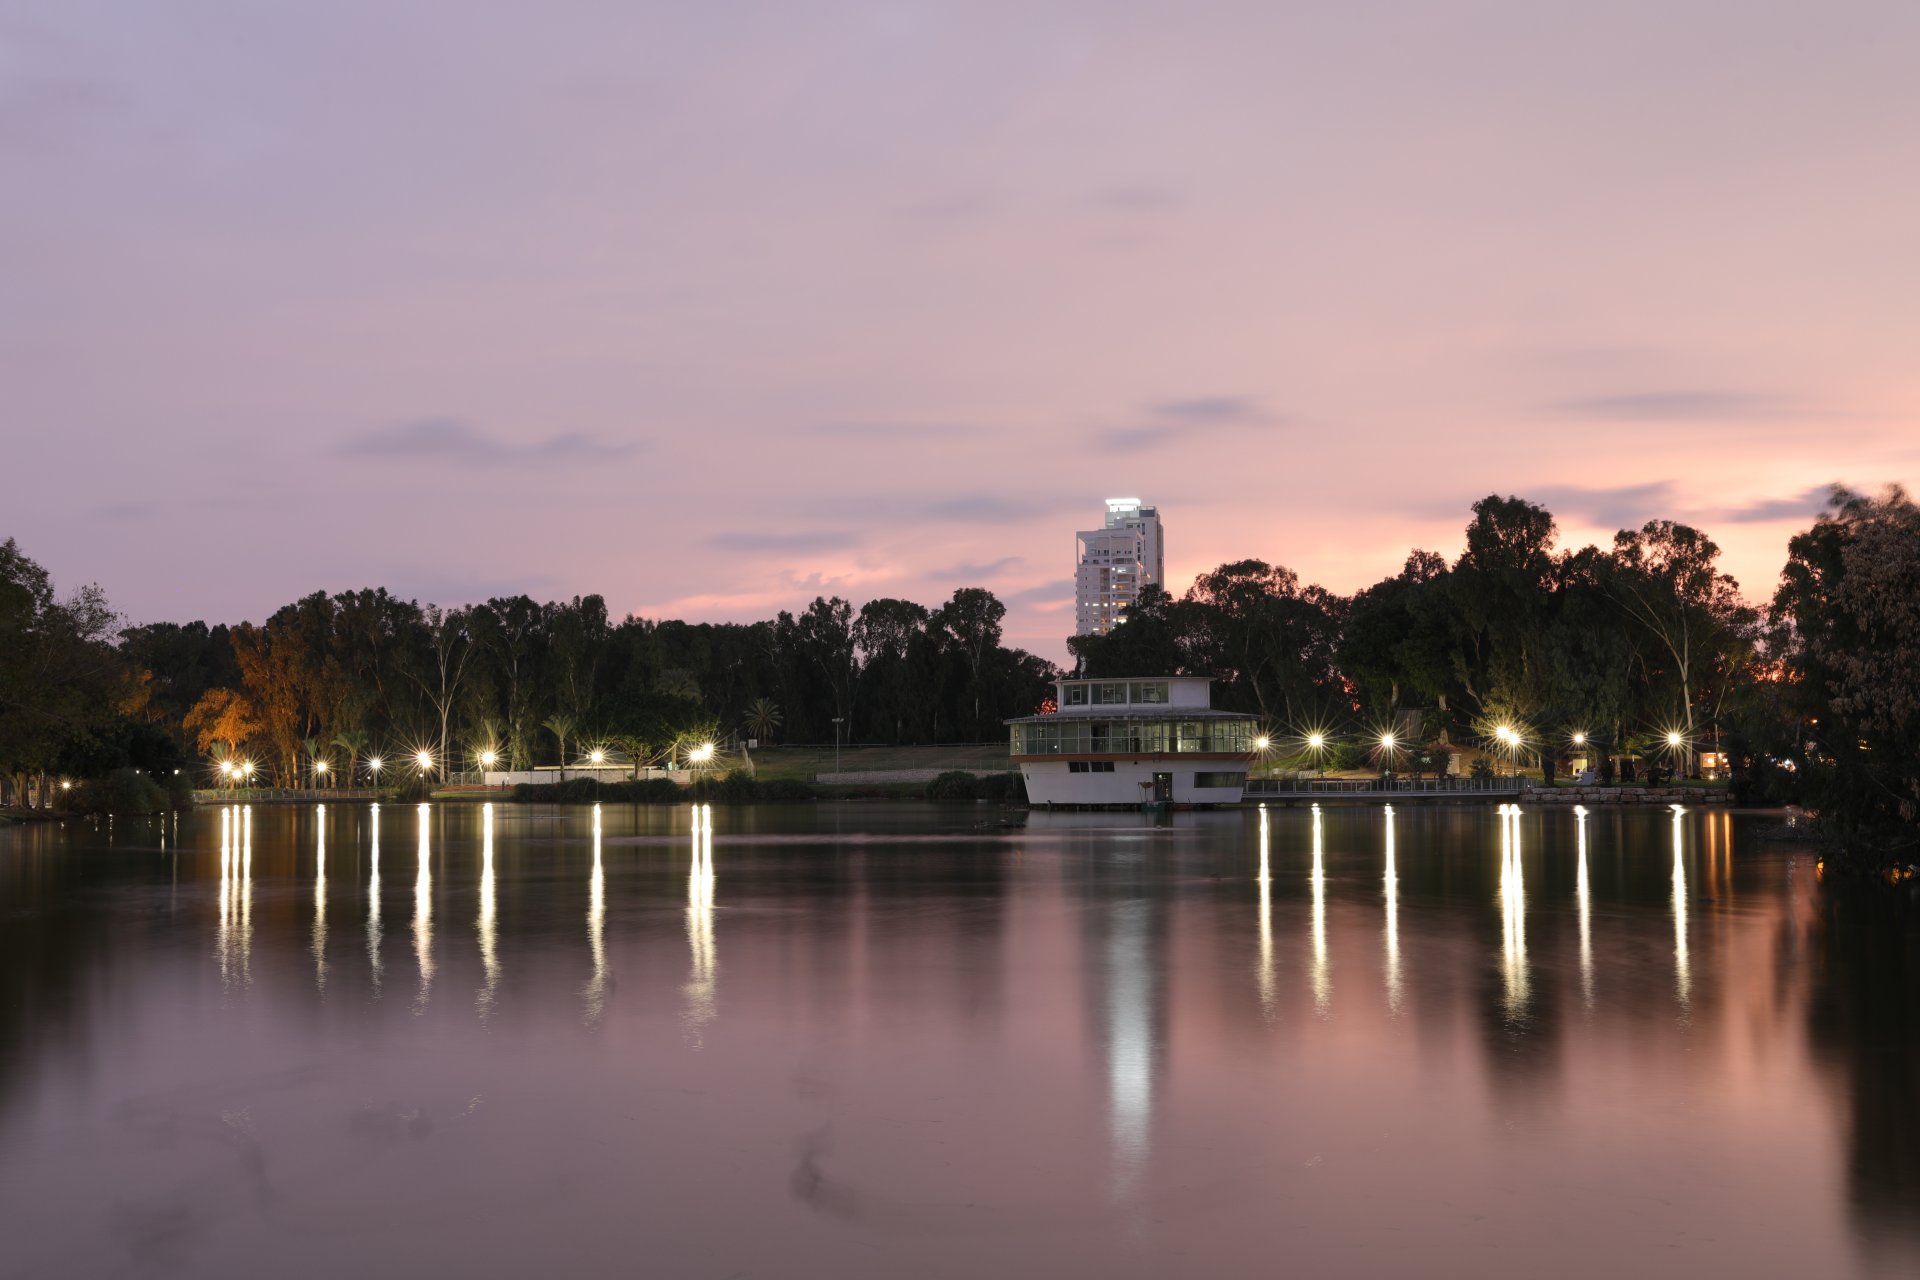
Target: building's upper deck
(1159, 695)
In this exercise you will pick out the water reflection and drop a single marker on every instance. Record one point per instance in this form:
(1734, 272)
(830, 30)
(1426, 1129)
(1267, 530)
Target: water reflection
(699, 990)
(1115, 1101)
(373, 903)
(1129, 1008)
(1264, 975)
(1317, 879)
(1513, 917)
(233, 938)
(320, 897)
(1583, 897)
(595, 995)
(485, 925)
(423, 912)
(1391, 890)
(1682, 967)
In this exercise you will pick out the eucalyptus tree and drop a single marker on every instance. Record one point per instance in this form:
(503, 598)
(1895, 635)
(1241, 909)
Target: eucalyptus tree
(1848, 610)
(970, 623)
(513, 632)
(1664, 578)
(890, 637)
(441, 665)
(59, 671)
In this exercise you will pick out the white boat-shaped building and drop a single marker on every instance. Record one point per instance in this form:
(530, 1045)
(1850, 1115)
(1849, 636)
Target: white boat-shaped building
(1133, 742)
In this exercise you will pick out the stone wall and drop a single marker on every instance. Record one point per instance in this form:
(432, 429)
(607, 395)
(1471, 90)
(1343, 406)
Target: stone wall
(1591, 796)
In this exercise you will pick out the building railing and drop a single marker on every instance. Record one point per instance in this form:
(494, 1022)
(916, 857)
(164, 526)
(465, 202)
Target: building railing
(1353, 786)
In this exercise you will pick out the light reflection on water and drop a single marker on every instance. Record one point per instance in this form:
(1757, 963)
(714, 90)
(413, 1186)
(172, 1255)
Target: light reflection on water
(423, 911)
(485, 923)
(374, 937)
(1317, 881)
(1682, 969)
(1583, 897)
(1513, 916)
(702, 975)
(1265, 967)
(1080, 1043)
(595, 993)
(319, 947)
(1390, 891)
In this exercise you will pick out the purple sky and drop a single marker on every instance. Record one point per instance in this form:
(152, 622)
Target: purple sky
(714, 307)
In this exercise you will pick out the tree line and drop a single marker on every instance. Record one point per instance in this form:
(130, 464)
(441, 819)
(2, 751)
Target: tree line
(1812, 696)
(341, 678)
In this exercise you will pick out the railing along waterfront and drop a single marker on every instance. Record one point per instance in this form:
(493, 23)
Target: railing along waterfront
(253, 795)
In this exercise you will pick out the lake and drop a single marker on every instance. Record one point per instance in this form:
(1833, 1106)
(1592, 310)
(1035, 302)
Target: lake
(909, 1040)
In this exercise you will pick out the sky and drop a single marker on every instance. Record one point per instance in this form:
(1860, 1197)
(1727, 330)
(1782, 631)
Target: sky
(712, 308)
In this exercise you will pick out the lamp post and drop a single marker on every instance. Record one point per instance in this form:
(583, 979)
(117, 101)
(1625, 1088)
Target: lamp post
(837, 722)
(373, 768)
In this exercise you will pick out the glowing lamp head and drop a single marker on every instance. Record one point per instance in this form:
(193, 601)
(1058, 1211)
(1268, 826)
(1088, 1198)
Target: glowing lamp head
(1387, 740)
(1673, 739)
(486, 759)
(319, 766)
(375, 763)
(423, 759)
(702, 753)
(597, 757)
(226, 768)
(247, 768)
(66, 786)
(1316, 740)
(1262, 742)
(1579, 739)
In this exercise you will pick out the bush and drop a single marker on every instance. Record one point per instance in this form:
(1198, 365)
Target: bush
(122, 791)
(413, 789)
(179, 789)
(1481, 769)
(1003, 788)
(954, 784)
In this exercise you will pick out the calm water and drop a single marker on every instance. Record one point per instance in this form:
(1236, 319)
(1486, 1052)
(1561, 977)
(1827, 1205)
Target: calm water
(908, 1041)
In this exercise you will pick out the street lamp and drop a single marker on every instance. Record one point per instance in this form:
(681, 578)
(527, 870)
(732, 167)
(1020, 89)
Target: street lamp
(1510, 739)
(837, 722)
(701, 754)
(424, 759)
(373, 767)
(597, 756)
(486, 759)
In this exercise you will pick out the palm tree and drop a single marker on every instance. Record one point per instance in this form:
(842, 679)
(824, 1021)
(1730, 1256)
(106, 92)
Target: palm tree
(562, 726)
(763, 717)
(354, 743)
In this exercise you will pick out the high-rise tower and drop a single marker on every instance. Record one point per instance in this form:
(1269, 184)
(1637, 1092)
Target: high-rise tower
(1113, 562)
